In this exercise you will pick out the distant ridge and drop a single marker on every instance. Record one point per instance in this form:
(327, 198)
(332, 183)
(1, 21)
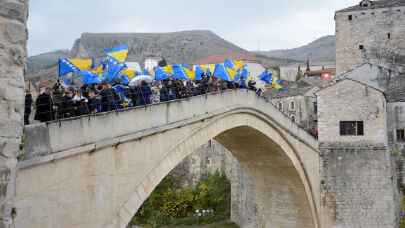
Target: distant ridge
(45, 60)
(176, 47)
(320, 50)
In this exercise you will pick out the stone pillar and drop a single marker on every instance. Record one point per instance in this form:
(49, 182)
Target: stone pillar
(13, 40)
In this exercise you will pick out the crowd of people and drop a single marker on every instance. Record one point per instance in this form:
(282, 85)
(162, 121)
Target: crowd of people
(60, 102)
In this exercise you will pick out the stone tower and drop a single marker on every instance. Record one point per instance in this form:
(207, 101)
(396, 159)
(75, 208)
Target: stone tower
(372, 31)
(13, 38)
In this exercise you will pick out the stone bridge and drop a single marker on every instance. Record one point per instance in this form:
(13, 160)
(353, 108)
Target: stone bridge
(96, 171)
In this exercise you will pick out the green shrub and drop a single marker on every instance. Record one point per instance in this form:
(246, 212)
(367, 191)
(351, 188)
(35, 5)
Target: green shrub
(171, 205)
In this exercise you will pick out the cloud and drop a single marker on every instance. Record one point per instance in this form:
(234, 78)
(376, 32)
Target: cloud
(272, 24)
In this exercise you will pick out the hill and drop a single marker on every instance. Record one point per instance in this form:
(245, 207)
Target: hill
(320, 50)
(176, 47)
(45, 60)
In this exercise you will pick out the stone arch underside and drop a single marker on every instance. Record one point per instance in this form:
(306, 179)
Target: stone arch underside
(106, 188)
(283, 192)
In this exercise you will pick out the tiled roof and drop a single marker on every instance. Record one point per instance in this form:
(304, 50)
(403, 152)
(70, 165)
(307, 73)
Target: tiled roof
(301, 87)
(375, 5)
(392, 84)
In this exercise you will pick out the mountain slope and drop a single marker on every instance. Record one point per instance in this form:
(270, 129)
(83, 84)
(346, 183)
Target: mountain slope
(177, 47)
(45, 60)
(320, 50)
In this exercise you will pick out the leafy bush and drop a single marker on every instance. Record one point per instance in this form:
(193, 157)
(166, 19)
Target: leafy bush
(170, 204)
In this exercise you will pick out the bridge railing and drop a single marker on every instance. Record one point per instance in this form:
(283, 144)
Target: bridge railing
(101, 128)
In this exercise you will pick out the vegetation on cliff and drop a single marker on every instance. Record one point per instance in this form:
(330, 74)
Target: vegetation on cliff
(170, 204)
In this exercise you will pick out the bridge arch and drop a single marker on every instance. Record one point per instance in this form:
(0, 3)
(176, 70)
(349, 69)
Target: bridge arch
(112, 177)
(260, 138)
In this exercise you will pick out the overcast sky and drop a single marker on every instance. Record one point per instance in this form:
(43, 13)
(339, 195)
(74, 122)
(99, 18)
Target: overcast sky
(251, 24)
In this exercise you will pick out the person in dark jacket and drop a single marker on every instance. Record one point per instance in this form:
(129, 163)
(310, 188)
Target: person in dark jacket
(67, 109)
(144, 93)
(164, 92)
(252, 85)
(107, 98)
(44, 106)
(94, 104)
(57, 97)
(171, 91)
(28, 106)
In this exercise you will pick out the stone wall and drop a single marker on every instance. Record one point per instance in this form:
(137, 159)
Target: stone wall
(380, 32)
(213, 157)
(358, 186)
(396, 120)
(358, 179)
(13, 37)
(352, 101)
(304, 112)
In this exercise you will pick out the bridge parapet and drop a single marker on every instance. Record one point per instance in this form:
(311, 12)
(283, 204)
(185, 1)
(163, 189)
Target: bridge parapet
(105, 129)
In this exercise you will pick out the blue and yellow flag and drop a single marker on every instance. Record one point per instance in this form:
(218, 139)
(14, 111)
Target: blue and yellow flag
(130, 73)
(239, 64)
(190, 73)
(82, 64)
(160, 74)
(98, 70)
(113, 69)
(168, 69)
(198, 73)
(178, 73)
(119, 53)
(232, 73)
(221, 73)
(73, 65)
(267, 77)
(229, 64)
(243, 73)
(89, 78)
(276, 84)
(66, 67)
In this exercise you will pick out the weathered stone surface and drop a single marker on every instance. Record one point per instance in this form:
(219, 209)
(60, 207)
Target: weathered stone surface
(358, 183)
(108, 174)
(13, 36)
(16, 32)
(358, 186)
(379, 31)
(14, 10)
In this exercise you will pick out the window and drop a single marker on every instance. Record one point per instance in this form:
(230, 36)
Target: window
(350, 17)
(361, 47)
(292, 105)
(292, 118)
(400, 135)
(315, 107)
(389, 36)
(351, 128)
(280, 106)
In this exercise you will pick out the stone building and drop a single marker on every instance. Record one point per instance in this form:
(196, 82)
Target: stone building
(151, 62)
(356, 128)
(292, 72)
(372, 31)
(298, 101)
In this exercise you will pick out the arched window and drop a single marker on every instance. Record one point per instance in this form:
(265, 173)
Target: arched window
(292, 105)
(280, 106)
(293, 118)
